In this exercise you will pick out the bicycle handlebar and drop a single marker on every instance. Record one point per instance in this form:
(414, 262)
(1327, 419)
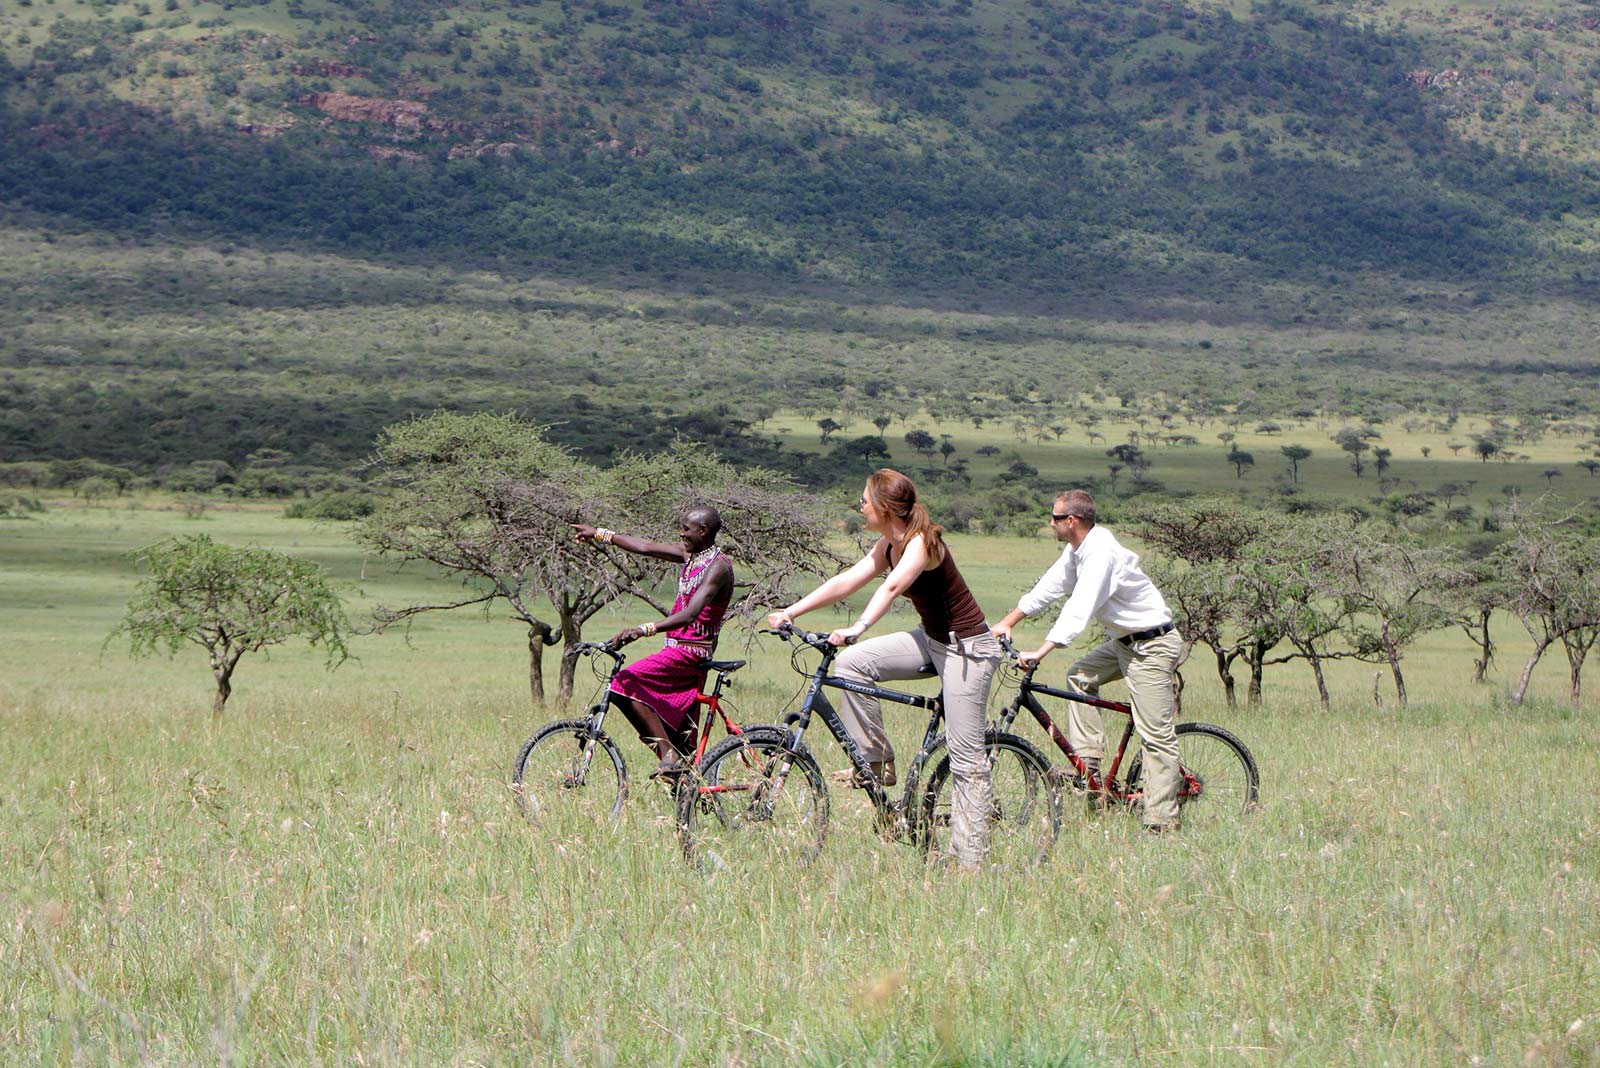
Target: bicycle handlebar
(815, 639)
(1016, 655)
(585, 648)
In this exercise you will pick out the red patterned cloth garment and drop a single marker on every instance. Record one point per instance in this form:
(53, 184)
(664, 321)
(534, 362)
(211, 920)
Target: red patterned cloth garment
(667, 681)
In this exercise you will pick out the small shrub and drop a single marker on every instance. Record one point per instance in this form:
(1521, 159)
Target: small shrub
(338, 506)
(19, 506)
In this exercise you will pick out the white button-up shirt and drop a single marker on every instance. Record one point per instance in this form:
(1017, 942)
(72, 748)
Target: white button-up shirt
(1101, 581)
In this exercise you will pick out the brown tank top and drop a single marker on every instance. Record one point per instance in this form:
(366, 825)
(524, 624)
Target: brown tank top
(943, 602)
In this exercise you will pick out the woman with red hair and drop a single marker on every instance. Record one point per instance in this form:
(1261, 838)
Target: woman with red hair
(953, 637)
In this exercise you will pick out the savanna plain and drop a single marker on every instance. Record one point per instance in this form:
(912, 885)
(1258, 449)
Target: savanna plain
(335, 872)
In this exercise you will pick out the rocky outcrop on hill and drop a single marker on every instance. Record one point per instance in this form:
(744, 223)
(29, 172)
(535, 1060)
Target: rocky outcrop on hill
(391, 152)
(409, 115)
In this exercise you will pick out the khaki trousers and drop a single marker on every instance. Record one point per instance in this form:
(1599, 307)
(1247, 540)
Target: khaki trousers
(1149, 667)
(966, 666)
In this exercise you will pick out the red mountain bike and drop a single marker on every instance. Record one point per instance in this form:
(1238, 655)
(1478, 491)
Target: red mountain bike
(571, 774)
(1219, 779)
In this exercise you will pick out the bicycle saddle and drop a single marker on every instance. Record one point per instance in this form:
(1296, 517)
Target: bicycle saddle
(927, 669)
(727, 667)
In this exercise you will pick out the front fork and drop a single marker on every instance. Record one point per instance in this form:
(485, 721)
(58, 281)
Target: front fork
(597, 722)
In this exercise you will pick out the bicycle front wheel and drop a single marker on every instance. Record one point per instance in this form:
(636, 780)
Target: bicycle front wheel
(755, 801)
(1025, 809)
(570, 779)
(1218, 777)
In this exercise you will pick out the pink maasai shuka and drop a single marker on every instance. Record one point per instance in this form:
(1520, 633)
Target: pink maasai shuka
(667, 681)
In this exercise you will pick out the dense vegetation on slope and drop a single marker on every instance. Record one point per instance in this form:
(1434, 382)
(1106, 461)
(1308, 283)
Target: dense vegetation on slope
(1092, 145)
(272, 227)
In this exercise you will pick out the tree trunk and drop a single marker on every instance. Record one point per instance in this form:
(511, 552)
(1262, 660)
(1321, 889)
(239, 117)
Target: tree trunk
(1521, 691)
(538, 638)
(571, 635)
(1399, 679)
(224, 691)
(1258, 667)
(1224, 672)
(1480, 668)
(1322, 683)
(1575, 657)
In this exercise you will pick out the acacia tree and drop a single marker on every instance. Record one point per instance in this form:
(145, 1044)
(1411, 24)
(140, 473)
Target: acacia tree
(453, 480)
(230, 601)
(1200, 543)
(487, 498)
(1550, 573)
(920, 440)
(1393, 593)
(1296, 455)
(1289, 581)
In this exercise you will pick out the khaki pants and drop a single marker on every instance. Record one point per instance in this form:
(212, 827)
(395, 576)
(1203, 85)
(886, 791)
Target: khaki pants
(966, 666)
(1148, 666)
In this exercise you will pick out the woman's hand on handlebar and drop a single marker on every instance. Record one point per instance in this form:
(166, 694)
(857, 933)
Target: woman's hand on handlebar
(847, 635)
(623, 637)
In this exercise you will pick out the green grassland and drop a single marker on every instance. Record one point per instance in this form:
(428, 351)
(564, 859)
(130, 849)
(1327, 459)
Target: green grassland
(152, 353)
(335, 871)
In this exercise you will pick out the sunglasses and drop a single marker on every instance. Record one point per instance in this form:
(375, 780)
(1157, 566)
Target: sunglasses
(1057, 518)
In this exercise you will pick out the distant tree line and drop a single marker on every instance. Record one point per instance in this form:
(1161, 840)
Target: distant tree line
(1256, 590)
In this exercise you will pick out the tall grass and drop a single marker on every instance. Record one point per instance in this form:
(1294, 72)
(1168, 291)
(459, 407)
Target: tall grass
(336, 873)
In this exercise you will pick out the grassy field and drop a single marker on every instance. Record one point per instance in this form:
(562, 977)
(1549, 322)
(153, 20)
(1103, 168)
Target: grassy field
(335, 873)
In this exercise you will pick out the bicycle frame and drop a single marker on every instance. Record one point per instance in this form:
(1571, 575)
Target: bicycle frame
(711, 702)
(817, 703)
(1106, 782)
(1027, 689)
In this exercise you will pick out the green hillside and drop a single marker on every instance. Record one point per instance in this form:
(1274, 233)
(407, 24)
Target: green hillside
(1122, 147)
(253, 234)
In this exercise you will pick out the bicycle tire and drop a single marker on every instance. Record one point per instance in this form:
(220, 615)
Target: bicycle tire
(1027, 813)
(731, 817)
(1218, 770)
(569, 778)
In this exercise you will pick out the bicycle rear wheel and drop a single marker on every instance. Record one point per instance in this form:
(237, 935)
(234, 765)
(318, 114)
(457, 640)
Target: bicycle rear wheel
(1026, 815)
(570, 779)
(754, 802)
(1219, 781)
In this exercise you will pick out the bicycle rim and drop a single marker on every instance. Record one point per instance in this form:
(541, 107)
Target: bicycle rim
(1025, 812)
(569, 781)
(755, 803)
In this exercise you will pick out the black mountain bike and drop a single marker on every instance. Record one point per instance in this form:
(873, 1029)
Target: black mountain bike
(758, 797)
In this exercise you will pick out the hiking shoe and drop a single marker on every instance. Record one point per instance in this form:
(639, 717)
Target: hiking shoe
(849, 777)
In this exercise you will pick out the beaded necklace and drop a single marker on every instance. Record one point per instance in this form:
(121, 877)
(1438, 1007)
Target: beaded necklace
(688, 583)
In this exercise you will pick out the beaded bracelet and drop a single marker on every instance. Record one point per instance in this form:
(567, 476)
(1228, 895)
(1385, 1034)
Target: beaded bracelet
(647, 629)
(604, 536)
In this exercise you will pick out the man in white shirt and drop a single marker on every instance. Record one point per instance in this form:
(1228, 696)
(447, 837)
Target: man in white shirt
(1102, 581)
